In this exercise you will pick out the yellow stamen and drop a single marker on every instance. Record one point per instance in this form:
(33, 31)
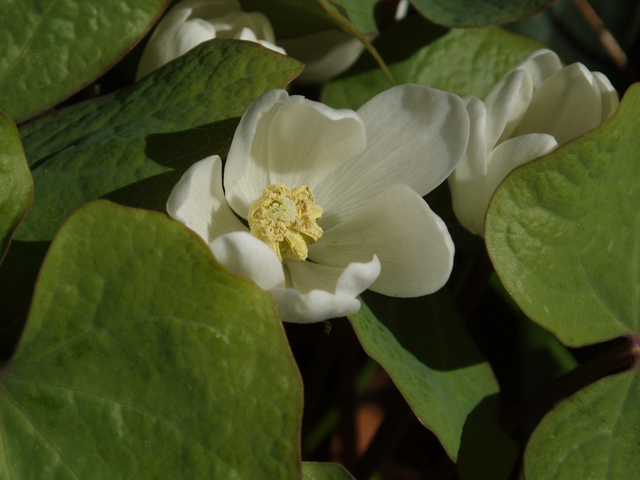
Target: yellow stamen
(286, 220)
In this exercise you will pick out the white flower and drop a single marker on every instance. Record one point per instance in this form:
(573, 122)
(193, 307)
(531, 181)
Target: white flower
(325, 54)
(343, 187)
(191, 22)
(534, 108)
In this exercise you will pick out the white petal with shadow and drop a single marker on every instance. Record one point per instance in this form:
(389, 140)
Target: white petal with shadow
(412, 243)
(308, 139)
(567, 105)
(610, 99)
(245, 255)
(246, 172)
(198, 202)
(507, 105)
(468, 179)
(322, 292)
(539, 65)
(416, 135)
(325, 54)
(181, 29)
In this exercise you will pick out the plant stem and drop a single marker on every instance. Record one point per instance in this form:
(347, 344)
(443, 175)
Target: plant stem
(606, 39)
(578, 378)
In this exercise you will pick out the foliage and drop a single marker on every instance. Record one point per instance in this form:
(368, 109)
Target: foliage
(50, 49)
(147, 382)
(574, 213)
(126, 348)
(16, 193)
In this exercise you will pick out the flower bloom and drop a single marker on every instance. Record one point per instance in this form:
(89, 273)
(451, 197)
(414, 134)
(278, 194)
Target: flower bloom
(332, 198)
(536, 106)
(191, 22)
(325, 54)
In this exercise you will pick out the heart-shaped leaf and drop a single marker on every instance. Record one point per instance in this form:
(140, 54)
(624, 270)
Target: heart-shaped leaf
(16, 183)
(132, 147)
(431, 358)
(143, 358)
(592, 434)
(324, 471)
(476, 13)
(465, 62)
(562, 232)
(50, 49)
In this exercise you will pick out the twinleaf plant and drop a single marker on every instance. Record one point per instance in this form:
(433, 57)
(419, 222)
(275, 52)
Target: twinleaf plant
(154, 235)
(576, 209)
(147, 382)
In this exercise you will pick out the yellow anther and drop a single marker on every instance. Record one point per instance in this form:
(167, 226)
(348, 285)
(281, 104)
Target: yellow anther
(286, 220)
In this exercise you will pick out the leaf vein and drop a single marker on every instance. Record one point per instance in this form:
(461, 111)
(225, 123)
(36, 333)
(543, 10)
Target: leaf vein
(26, 415)
(28, 44)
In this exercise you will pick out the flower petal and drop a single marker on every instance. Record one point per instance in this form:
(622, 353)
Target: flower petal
(539, 65)
(416, 135)
(610, 100)
(325, 54)
(308, 139)
(412, 242)
(312, 307)
(509, 99)
(351, 280)
(198, 202)
(181, 30)
(323, 292)
(246, 172)
(250, 26)
(506, 105)
(290, 140)
(245, 255)
(468, 179)
(566, 105)
(506, 157)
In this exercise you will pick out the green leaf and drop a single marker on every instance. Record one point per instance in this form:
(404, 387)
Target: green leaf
(50, 49)
(16, 183)
(465, 62)
(324, 471)
(132, 146)
(143, 357)
(430, 356)
(592, 434)
(562, 232)
(477, 13)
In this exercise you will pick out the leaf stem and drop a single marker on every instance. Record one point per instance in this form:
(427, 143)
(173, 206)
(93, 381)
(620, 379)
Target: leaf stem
(606, 39)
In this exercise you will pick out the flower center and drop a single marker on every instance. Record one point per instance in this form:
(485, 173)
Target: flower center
(286, 220)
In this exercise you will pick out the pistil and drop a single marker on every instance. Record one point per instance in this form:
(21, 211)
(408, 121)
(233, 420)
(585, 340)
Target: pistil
(286, 220)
